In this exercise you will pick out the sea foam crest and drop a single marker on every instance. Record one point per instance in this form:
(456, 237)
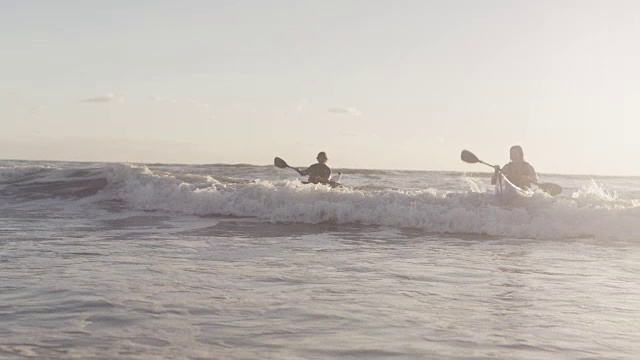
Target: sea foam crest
(584, 214)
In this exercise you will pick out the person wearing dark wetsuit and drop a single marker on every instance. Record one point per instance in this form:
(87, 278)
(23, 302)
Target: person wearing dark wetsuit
(319, 172)
(519, 172)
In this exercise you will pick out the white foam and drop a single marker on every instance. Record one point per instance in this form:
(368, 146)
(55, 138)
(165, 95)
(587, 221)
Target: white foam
(587, 213)
(9, 173)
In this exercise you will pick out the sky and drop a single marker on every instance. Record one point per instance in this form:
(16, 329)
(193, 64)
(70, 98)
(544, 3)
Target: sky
(376, 84)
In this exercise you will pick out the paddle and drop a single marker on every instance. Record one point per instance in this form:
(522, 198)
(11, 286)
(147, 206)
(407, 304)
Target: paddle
(283, 164)
(550, 188)
(468, 157)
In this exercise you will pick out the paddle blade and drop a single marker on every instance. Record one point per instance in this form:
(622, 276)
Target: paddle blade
(468, 157)
(551, 188)
(280, 163)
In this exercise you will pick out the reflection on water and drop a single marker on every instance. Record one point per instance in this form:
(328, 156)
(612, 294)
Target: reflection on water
(145, 285)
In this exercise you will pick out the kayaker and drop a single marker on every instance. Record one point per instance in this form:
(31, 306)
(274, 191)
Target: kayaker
(518, 171)
(319, 172)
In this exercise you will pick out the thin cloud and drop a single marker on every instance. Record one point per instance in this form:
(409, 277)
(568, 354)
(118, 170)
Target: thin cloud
(345, 111)
(108, 98)
(302, 105)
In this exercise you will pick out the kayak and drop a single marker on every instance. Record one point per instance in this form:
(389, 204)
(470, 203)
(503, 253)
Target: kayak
(331, 184)
(508, 192)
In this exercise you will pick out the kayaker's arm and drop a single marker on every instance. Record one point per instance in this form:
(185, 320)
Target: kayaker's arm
(533, 177)
(304, 172)
(494, 178)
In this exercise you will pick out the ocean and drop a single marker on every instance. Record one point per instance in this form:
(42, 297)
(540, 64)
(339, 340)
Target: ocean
(155, 261)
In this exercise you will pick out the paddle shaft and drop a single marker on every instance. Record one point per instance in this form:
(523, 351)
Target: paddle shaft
(296, 169)
(489, 165)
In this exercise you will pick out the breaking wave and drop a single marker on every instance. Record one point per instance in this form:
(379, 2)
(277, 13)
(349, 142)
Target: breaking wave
(589, 212)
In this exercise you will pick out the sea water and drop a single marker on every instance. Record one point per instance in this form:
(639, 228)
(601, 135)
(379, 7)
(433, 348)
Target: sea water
(237, 261)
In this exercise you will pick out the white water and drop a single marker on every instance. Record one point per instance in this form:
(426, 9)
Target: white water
(433, 202)
(173, 261)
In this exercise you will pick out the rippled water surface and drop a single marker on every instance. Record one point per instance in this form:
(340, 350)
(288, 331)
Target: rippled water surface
(85, 275)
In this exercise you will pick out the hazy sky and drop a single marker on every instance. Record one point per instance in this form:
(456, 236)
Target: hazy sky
(376, 84)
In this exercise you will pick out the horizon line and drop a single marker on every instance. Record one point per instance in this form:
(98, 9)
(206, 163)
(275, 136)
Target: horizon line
(267, 165)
